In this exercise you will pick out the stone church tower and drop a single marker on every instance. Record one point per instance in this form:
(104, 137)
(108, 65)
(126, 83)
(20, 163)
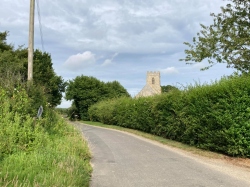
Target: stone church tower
(153, 85)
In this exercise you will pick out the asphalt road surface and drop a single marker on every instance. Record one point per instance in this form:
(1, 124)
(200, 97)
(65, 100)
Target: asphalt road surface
(123, 160)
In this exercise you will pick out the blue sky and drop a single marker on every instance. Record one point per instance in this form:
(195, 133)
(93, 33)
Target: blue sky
(117, 39)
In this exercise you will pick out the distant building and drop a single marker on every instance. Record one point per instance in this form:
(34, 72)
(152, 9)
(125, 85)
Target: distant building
(153, 85)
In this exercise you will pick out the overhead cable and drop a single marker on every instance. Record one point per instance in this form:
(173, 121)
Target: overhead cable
(40, 24)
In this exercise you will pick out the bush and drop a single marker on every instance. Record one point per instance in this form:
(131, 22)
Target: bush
(18, 129)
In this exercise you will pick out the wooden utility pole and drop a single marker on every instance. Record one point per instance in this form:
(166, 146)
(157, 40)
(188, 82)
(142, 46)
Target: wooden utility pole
(31, 40)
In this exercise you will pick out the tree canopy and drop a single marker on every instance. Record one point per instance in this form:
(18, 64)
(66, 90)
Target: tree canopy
(45, 76)
(14, 67)
(227, 40)
(3, 45)
(115, 90)
(86, 91)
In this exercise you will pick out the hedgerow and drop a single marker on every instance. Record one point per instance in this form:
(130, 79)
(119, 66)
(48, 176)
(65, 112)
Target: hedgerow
(210, 116)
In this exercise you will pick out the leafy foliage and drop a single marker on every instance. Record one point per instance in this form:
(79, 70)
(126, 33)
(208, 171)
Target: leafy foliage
(14, 67)
(115, 90)
(18, 131)
(39, 152)
(3, 45)
(45, 76)
(36, 152)
(168, 88)
(213, 117)
(86, 91)
(226, 40)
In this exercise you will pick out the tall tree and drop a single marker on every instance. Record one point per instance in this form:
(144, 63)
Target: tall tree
(86, 91)
(227, 40)
(115, 89)
(11, 64)
(3, 45)
(14, 67)
(44, 75)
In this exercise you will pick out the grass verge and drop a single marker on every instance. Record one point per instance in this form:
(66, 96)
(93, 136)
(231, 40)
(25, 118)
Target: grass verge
(64, 161)
(242, 162)
(159, 139)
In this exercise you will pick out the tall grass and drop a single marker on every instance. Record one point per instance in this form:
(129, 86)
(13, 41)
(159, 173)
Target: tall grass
(39, 152)
(62, 162)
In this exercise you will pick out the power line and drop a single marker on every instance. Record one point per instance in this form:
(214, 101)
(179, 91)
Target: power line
(40, 24)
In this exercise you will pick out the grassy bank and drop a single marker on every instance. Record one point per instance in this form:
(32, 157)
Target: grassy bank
(64, 161)
(39, 152)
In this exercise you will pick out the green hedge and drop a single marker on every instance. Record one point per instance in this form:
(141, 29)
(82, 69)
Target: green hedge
(213, 117)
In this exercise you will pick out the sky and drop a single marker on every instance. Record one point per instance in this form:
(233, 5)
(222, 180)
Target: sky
(116, 39)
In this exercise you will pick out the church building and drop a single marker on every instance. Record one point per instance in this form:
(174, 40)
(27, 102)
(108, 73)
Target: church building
(153, 85)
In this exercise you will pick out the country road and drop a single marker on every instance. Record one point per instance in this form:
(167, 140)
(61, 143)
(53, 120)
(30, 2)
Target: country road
(123, 160)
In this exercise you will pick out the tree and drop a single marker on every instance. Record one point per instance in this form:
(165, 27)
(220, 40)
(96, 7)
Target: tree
(11, 64)
(86, 91)
(44, 75)
(14, 67)
(3, 45)
(115, 89)
(227, 40)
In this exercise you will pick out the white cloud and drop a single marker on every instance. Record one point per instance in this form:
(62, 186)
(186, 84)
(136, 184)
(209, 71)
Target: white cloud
(80, 61)
(125, 26)
(170, 70)
(109, 61)
(199, 65)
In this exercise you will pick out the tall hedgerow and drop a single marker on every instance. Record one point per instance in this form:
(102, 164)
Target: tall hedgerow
(211, 116)
(216, 114)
